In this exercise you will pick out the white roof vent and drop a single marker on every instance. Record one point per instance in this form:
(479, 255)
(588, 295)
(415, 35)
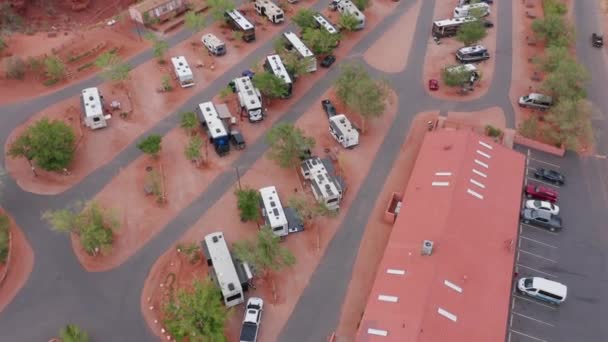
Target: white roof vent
(427, 247)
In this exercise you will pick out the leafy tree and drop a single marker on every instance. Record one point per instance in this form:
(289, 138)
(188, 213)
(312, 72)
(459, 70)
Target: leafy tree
(567, 80)
(48, 144)
(471, 32)
(189, 122)
(320, 42)
(279, 45)
(294, 64)
(111, 67)
(248, 202)
(551, 58)
(9, 20)
(150, 145)
(93, 225)
(304, 18)
(360, 93)
(572, 120)
(348, 22)
(361, 4)
(529, 128)
(270, 85)
(73, 333)
(265, 254)
(553, 30)
(55, 69)
(554, 7)
(287, 144)
(198, 315)
(237, 35)
(4, 238)
(193, 149)
(307, 209)
(219, 7)
(194, 21)
(3, 44)
(455, 77)
(159, 46)
(15, 68)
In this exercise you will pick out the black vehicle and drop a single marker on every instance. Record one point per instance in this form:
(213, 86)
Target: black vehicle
(329, 108)
(597, 40)
(542, 219)
(550, 175)
(487, 24)
(328, 61)
(237, 139)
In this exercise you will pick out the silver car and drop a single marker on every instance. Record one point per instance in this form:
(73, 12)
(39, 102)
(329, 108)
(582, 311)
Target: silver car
(543, 205)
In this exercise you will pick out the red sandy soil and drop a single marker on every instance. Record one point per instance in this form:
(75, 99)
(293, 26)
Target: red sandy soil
(490, 116)
(307, 246)
(20, 264)
(442, 55)
(138, 226)
(392, 58)
(120, 36)
(378, 231)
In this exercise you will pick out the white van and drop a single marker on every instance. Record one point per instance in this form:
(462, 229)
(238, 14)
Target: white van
(465, 11)
(536, 101)
(214, 44)
(543, 289)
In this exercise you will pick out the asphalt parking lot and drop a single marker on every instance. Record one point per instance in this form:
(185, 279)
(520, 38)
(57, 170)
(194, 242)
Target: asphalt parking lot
(576, 256)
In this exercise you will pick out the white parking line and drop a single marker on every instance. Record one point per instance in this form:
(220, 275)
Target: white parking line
(528, 336)
(530, 168)
(541, 229)
(534, 319)
(538, 256)
(532, 301)
(543, 182)
(539, 271)
(538, 242)
(544, 162)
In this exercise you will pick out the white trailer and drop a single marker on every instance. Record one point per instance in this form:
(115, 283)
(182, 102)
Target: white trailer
(346, 7)
(325, 187)
(274, 64)
(270, 10)
(294, 43)
(481, 8)
(182, 71)
(215, 45)
(325, 24)
(92, 109)
(238, 21)
(272, 210)
(250, 98)
(449, 27)
(343, 131)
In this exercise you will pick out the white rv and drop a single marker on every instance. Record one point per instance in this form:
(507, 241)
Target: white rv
(343, 131)
(269, 9)
(92, 109)
(294, 43)
(214, 44)
(216, 131)
(274, 64)
(250, 98)
(325, 187)
(468, 10)
(272, 210)
(182, 71)
(325, 23)
(449, 27)
(238, 22)
(347, 7)
(224, 270)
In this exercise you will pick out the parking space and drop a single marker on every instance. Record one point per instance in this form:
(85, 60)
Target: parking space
(562, 256)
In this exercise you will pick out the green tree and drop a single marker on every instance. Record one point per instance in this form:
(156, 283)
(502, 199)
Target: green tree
(270, 85)
(48, 144)
(304, 18)
(554, 30)
(307, 209)
(279, 45)
(93, 225)
(159, 46)
(455, 77)
(348, 22)
(192, 150)
(237, 36)
(54, 67)
(151, 145)
(320, 42)
(248, 202)
(552, 57)
(265, 254)
(471, 32)
(189, 122)
(194, 21)
(219, 7)
(360, 93)
(287, 144)
(73, 333)
(111, 67)
(4, 238)
(3, 44)
(294, 64)
(15, 68)
(197, 315)
(567, 80)
(571, 119)
(362, 5)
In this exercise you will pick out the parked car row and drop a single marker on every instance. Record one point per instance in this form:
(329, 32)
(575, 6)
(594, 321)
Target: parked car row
(540, 209)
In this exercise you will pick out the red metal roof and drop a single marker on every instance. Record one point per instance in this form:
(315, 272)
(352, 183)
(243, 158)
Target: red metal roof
(472, 221)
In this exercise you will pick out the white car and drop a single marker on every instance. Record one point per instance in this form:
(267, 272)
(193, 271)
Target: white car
(543, 205)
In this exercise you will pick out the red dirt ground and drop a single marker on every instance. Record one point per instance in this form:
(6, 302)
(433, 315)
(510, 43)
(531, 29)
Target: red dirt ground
(394, 59)
(439, 56)
(490, 116)
(20, 264)
(378, 231)
(303, 245)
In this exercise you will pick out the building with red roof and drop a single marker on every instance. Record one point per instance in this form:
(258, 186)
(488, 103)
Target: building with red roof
(447, 270)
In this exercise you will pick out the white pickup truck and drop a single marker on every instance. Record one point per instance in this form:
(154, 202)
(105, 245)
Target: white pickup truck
(252, 319)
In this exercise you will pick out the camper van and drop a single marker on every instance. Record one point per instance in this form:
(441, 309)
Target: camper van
(471, 54)
(238, 22)
(347, 7)
(272, 211)
(216, 131)
(543, 289)
(294, 43)
(469, 10)
(214, 44)
(536, 101)
(250, 98)
(449, 27)
(343, 131)
(182, 71)
(92, 109)
(270, 10)
(325, 187)
(274, 65)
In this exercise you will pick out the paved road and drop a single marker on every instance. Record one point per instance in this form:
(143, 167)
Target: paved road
(107, 304)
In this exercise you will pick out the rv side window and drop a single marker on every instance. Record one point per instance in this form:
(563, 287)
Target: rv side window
(277, 228)
(551, 295)
(96, 119)
(332, 200)
(233, 297)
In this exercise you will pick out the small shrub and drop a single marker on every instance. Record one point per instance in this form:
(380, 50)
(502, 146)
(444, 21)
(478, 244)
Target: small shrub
(492, 131)
(4, 238)
(166, 83)
(15, 68)
(50, 82)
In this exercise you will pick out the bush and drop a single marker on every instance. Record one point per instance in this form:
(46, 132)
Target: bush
(361, 4)
(150, 145)
(529, 127)
(50, 82)
(492, 131)
(15, 68)
(554, 7)
(4, 238)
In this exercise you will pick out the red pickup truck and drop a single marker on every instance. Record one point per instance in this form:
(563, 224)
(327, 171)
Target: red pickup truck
(541, 192)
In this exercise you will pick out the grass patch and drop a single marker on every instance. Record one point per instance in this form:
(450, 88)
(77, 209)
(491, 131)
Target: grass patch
(50, 82)
(4, 238)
